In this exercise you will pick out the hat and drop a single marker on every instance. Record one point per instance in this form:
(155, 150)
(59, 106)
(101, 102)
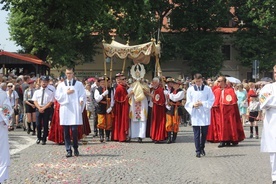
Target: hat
(44, 78)
(253, 96)
(177, 81)
(169, 80)
(31, 81)
(118, 75)
(100, 79)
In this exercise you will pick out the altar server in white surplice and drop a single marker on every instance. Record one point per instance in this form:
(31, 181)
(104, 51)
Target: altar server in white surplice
(199, 102)
(267, 99)
(5, 116)
(71, 96)
(138, 110)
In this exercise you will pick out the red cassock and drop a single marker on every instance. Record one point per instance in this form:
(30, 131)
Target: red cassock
(226, 123)
(85, 128)
(121, 113)
(158, 116)
(56, 130)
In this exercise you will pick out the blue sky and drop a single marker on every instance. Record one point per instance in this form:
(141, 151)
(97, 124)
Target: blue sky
(5, 43)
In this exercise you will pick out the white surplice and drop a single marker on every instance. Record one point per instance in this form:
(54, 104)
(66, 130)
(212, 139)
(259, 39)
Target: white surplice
(4, 140)
(200, 116)
(268, 104)
(138, 112)
(70, 112)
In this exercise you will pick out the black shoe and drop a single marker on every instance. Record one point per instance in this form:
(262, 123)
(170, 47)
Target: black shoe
(37, 141)
(140, 140)
(101, 139)
(76, 152)
(202, 152)
(33, 133)
(28, 131)
(43, 142)
(128, 139)
(198, 155)
(274, 182)
(107, 139)
(69, 154)
(95, 134)
(251, 136)
(221, 144)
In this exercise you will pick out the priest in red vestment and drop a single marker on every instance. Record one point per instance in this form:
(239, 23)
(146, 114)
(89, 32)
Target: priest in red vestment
(121, 112)
(226, 126)
(158, 115)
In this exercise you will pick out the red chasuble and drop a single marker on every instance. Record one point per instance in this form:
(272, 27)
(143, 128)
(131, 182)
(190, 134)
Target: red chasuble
(121, 113)
(226, 123)
(158, 121)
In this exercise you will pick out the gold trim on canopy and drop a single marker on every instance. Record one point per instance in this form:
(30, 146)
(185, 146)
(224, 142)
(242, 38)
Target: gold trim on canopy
(139, 53)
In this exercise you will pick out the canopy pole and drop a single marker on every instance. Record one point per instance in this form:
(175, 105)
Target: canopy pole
(111, 65)
(105, 79)
(124, 65)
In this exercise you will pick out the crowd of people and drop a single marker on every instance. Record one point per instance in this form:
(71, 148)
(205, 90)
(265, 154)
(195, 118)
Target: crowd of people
(123, 110)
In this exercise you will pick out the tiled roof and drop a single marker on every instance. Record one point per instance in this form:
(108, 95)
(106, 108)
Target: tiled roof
(24, 57)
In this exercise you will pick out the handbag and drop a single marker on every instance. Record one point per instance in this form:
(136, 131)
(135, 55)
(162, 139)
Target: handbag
(244, 104)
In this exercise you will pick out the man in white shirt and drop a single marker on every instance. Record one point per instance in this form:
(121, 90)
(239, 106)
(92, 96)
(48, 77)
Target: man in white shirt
(43, 99)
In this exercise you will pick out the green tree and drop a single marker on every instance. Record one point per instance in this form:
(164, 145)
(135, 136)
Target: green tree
(58, 31)
(63, 31)
(255, 39)
(197, 40)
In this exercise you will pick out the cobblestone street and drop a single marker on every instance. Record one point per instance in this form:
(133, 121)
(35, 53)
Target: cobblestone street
(134, 162)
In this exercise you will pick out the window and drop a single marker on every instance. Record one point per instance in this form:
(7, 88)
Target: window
(249, 76)
(268, 74)
(226, 52)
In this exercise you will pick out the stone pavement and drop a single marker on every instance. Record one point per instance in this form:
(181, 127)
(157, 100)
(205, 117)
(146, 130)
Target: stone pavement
(137, 163)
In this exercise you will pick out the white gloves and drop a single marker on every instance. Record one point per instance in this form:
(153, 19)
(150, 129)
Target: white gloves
(168, 107)
(108, 110)
(105, 93)
(166, 92)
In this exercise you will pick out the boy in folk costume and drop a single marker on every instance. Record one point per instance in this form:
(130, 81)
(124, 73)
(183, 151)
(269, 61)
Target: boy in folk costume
(254, 114)
(173, 114)
(105, 99)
